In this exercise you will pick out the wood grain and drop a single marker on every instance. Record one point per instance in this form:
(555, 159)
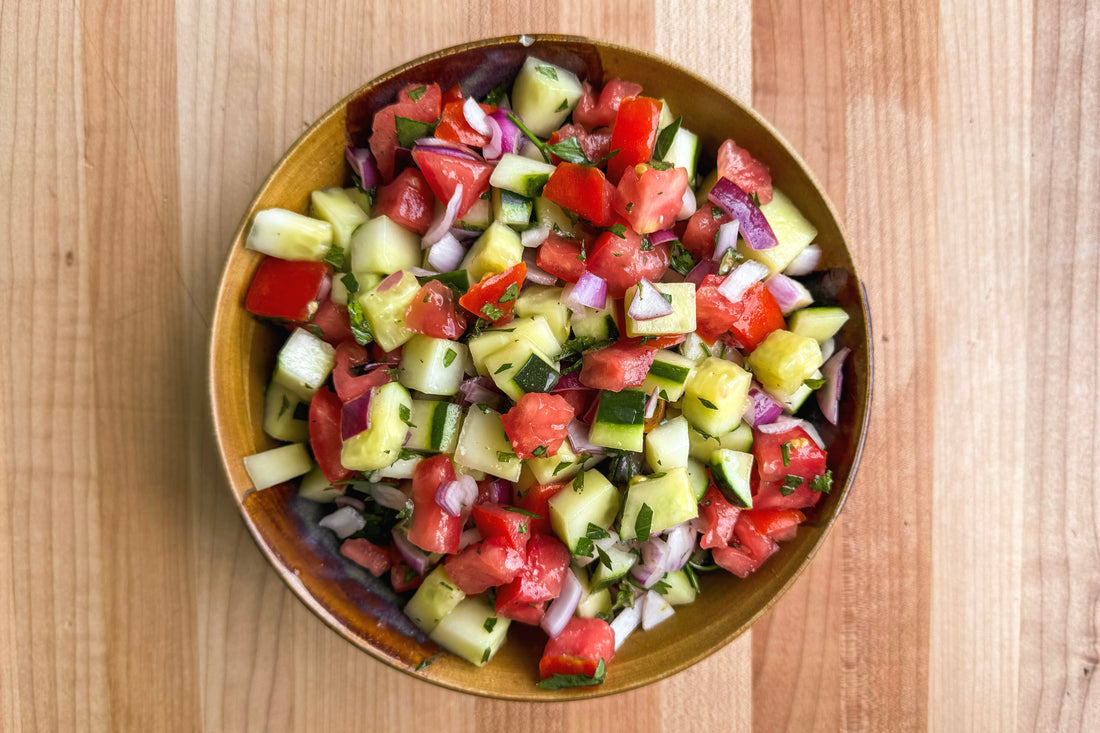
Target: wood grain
(961, 588)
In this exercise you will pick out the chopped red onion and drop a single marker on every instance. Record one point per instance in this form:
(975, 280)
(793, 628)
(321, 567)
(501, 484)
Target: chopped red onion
(493, 150)
(413, 556)
(786, 422)
(578, 438)
(828, 397)
(362, 163)
(446, 147)
(726, 239)
(536, 274)
(589, 291)
(389, 496)
(655, 610)
(662, 236)
(468, 537)
(763, 408)
(648, 303)
(452, 496)
(651, 404)
(355, 415)
(476, 116)
(806, 261)
(743, 276)
(688, 205)
(510, 135)
(681, 542)
(422, 272)
(345, 522)
(626, 622)
(480, 390)
(441, 227)
(345, 500)
(446, 254)
(789, 294)
(390, 281)
(568, 382)
(498, 491)
(654, 563)
(561, 609)
(535, 236)
(701, 270)
(732, 199)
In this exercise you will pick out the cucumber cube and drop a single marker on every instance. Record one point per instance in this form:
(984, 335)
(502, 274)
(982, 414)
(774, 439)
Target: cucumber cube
(277, 465)
(620, 420)
(680, 592)
(337, 208)
(684, 151)
(380, 445)
(553, 217)
(619, 561)
(562, 466)
(589, 499)
(521, 175)
(699, 478)
(361, 198)
(681, 320)
(401, 468)
(714, 398)
(282, 418)
(478, 218)
(436, 597)
(820, 324)
(484, 446)
(731, 471)
(669, 498)
(534, 330)
(315, 486)
(545, 301)
(793, 232)
(304, 364)
(702, 446)
(385, 310)
(472, 631)
(435, 426)
(512, 209)
(598, 323)
(496, 250)
(593, 602)
(784, 360)
(666, 446)
(383, 246)
(668, 374)
(289, 235)
(519, 368)
(432, 366)
(544, 95)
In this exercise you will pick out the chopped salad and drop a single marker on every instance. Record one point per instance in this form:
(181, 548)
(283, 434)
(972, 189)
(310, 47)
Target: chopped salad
(546, 363)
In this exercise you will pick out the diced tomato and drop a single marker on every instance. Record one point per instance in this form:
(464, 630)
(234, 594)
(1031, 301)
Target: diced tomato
(404, 578)
(579, 399)
(432, 312)
(770, 495)
(775, 523)
(719, 518)
(539, 581)
(454, 127)
(491, 297)
(454, 94)
(650, 199)
(621, 261)
(445, 172)
(324, 434)
(493, 490)
(634, 134)
(345, 377)
(582, 189)
(701, 229)
(535, 499)
(430, 528)
(578, 649)
(736, 561)
(497, 520)
(561, 257)
(383, 140)
(380, 355)
(738, 165)
(484, 565)
(754, 548)
(594, 110)
(364, 552)
(287, 289)
(333, 321)
(750, 319)
(654, 343)
(804, 458)
(595, 145)
(537, 423)
(616, 367)
(407, 200)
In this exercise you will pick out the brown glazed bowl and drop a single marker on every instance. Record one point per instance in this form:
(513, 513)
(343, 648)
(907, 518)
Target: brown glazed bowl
(363, 609)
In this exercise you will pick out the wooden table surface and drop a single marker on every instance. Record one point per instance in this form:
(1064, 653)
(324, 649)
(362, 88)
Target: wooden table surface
(960, 590)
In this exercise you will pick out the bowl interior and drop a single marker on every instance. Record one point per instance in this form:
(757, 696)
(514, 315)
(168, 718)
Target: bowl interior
(360, 607)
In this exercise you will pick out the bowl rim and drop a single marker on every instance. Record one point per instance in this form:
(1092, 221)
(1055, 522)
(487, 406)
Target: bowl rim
(290, 578)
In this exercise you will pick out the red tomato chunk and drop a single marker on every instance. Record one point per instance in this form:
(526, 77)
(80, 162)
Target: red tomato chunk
(536, 425)
(578, 649)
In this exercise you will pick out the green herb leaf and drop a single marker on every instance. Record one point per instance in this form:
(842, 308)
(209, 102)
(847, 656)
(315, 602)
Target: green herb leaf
(596, 532)
(548, 71)
(561, 681)
(605, 560)
(488, 653)
(285, 407)
(643, 522)
(417, 93)
(814, 383)
(661, 587)
(360, 329)
(619, 230)
(406, 454)
(542, 147)
(524, 512)
(490, 623)
(449, 357)
(409, 131)
(790, 485)
(659, 165)
(707, 404)
(646, 245)
(692, 578)
(404, 413)
(505, 456)
(491, 312)
(495, 96)
(785, 450)
(563, 106)
(681, 259)
(539, 452)
(755, 199)
(559, 468)
(629, 206)
(664, 139)
(350, 283)
(315, 330)
(509, 294)
(823, 484)
(336, 257)
(584, 547)
(569, 150)
(578, 482)
(503, 368)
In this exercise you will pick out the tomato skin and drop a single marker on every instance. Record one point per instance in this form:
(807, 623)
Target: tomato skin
(774, 523)
(594, 110)
(561, 257)
(484, 565)
(768, 495)
(651, 199)
(407, 200)
(286, 289)
(367, 554)
(403, 579)
(701, 228)
(750, 319)
(444, 172)
(430, 528)
(622, 262)
(383, 139)
(490, 289)
(595, 145)
(582, 189)
(738, 165)
(432, 312)
(719, 517)
(537, 420)
(350, 354)
(634, 134)
(616, 367)
(806, 460)
(578, 649)
(333, 321)
(324, 434)
(540, 580)
(536, 500)
(495, 520)
(454, 127)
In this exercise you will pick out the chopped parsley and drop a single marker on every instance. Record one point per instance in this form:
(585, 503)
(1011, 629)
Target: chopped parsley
(619, 230)
(360, 329)
(563, 106)
(490, 623)
(524, 512)
(643, 522)
(548, 71)
(790, 485)
(409, 131)
(491, 312)
(660, 165)
(665, 138)
(503, 368)
(785, 451)
(315, 330)
(449, 357)
(509, 294)
(578, 482)
(605, 560)
(350, 283)
(707, 403)
(584, 547)
(681, 259)
(557, 469)
(539, 452)
(285, 407)
(814, 383)
(823, 484)
(596, 532)
(336, 257)
(417, 93)
(562, 681)
(504, 456)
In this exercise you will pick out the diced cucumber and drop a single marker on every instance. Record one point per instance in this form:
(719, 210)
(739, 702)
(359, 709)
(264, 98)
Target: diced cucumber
(545, 301)
(699, 478)
(714, 398)
(432, 366)
(553, 217)
(820, 324)
(521, 175)
(380, 445)
(620, 420)
(339, 292)
(665, 116)
(435, 426)
(668, 374)
(731, 471)
(362, 199)
(337, 208)
(385, 310)
(593, 602)
(472, 631)
(702, 446)
(512, 209)
(696, 349)
(365, 281)
(680, 591)
(282, 420)
(588, 499)
(534, 331)
(401, 468)
(544, 95)
(383, 246)
(529, 150)
(792, 402)
(478, 218)
(684, 151)
(304, 363)
(620, 559)
(436, 597)
(784, 360)
(681, 320)
(597, 323)
(289, 235)
(484, 446)
(669, 497)
(519, 368)
(666, 446)
(315, 486)
(277, 465)
(793, 232)
(496, 250)
(562, 466)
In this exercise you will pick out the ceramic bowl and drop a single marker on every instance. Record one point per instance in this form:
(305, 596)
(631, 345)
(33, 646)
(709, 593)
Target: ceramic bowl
(361, 608)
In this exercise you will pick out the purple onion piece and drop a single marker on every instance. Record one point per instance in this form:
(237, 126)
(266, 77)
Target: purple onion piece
(651, 404)
(626, 622)
(726, 239)
(763, 409)
(345, 500)
(480, 390)
(688, 205)
(389, 496)
(662, 236)
(578, 438)
(413, 556)
(536, 274)
(453, 496)
(732, 199)
(362, 163)
(589, 291)
(828, 397)
(789, 294)
(441, 227)
(700, 271)
(498, 491)
(806, 262)
(561, 609)
(445, 147)
(681, 543)
(468, 537)
(476, 116)
(741, 279)
(390, 281)
(509, 131)
(355, 416)
(446, 254)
